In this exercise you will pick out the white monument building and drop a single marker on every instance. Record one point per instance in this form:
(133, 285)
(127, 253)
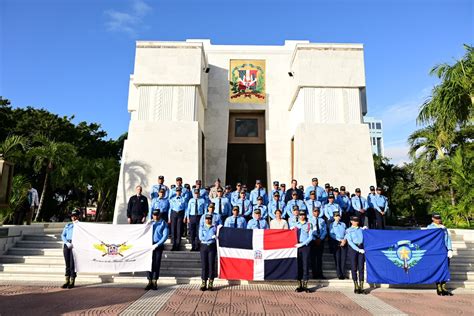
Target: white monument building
(241, 113)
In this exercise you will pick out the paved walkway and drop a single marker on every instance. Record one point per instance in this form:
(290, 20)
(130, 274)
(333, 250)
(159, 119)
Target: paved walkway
(117, 299)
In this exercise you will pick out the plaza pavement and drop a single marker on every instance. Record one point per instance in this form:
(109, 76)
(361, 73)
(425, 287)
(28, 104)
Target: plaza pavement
(16, 298)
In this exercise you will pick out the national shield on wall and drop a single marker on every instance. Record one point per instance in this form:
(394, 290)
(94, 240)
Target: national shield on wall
(247, 81)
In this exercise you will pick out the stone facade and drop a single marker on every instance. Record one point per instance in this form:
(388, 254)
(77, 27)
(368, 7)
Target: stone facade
(179, 105)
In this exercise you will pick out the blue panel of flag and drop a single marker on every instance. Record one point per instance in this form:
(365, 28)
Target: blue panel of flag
(406, 256)
(235, 238)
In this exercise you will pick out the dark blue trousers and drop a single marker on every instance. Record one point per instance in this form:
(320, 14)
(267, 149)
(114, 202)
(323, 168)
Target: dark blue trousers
(154, 274)
(339, 253)
(69, 260)
(357, 264)
(193, 227)
(176, 228)
(208, 261)
(303, 263)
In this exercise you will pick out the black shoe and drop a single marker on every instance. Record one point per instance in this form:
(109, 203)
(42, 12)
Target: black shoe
(439, 290)
(210, 285)
(148, 286)
(340, 277)
(299, 289)
(445, 291)
(71, 283)
(361, 287)
(154, 285)
(305, 287)
(203, 285)
(65, 285)
(356, 288)
(322, 277)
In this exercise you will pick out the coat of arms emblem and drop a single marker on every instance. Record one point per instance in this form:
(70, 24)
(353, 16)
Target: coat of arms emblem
(247, 81)
(112, 249)
(404, 254)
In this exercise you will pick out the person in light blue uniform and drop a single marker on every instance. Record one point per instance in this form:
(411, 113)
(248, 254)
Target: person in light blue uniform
(359, 204)
(380, 203)
(216, 218)
(235, 221)
(223, 205)
(324, 196)
(257, 222)
(262, 207)
(344, 203)
(317, 245)
(160, 234)
(162, 204)
(294, 218)
(196, 208)
(305, 236)
(294, 201)
(258, 191)
(203, 193)
(155, 189)
(235, 195)
(356, 252)
(228, 193)
(371, 209)
(318, 191)
(338, 244)
(276, 204)
(312, 203)
(245, 206)
(437, 223)
(330, 208)
(177, 209)
(276, 188)
(66, 237)
(207, 236)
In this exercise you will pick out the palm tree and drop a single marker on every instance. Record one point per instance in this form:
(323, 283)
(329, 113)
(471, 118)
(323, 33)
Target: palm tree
(451, 103)
(12, 147)
(426, 144)
(50, 156)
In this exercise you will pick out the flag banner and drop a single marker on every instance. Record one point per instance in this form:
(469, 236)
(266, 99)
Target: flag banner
(112, 248)
(406, 256)
(257, 254)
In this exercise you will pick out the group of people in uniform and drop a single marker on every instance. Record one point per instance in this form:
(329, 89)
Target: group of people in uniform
(319, 215)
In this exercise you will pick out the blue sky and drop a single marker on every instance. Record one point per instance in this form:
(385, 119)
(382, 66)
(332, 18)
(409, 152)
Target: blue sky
(75, 57)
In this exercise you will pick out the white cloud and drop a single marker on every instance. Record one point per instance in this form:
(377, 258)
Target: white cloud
(398, 154)
(127, 22)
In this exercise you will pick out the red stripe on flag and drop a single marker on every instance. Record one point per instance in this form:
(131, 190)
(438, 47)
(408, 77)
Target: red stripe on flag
(236, 269)
(279, 238)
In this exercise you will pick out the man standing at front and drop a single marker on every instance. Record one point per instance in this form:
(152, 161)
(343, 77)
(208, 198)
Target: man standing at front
(359, 204)
(177, 209)
(137, 208)
(381, 208)
(259, 191)
(157, 187)
(196, 208)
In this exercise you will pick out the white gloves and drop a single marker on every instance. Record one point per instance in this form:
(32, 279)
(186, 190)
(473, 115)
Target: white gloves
(450, 254)
(213, 237)
(361, 251)
(69, 245)
(365, 227)
(299, 245)
(155, 246)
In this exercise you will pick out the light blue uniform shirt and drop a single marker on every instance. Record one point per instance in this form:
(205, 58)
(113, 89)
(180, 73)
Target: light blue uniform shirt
(344, 203)
(291, 203)
(282, 194)
(272, 206)
(318, 190)
(159, 204)
(206, 233)
(370, 200)
(191, 209)
(226, 206)
(235, 196)
(177, 204)
(359, 202)
(447, 238)
(263, 210)
(66, 235)
(322, 228)
(293, 220)
(156, 188)
(329, 210)
(160, 232)
(305, 232)
(380, 202)
(254, 224)
(216, 220)
(245, 207)
(310, 204)
(235, 222)
(354, 237)
(254, 194)
(337, 231)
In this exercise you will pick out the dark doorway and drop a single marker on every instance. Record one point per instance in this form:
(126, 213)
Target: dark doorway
(246, 163)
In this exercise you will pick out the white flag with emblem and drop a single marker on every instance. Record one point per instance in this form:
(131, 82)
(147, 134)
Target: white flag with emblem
(112, 248)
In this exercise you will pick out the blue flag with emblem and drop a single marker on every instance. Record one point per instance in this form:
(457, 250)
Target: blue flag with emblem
(406, 256)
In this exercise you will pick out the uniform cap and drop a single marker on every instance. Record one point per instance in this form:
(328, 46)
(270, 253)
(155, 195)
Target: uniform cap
(276, 183)
(436, 216)
(312, 192)
(372, 188)
(336, 190)
(235, 208)
(327, 185)
(355, 218)
(187, 186)
(212, 205)
(379, 189)
(257, 211)
(208, 216)
(283, 185)
(228, 187)
(302, 212)
(173, 186)
(358, 190)
(316, 208)
(342, 188)
(314, 179)
(156, 212)
(260, 198)
(196, 191)
(243, 192)
(198, 181)
(76, 212)
(331, 196)
(179, 179)
(336, 214)
(178, 189)
(276, 193)
(295, 207)
(161, 177)
(238, 184)
(162, 190)
(258, 181)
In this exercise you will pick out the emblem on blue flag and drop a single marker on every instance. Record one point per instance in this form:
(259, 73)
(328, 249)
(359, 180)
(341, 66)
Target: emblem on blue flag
(404, 254)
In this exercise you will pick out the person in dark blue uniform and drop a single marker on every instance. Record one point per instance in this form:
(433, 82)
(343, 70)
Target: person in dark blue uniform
(207, 236)
(356, 252)
(305, 236)
(66, 237)
(160, 234)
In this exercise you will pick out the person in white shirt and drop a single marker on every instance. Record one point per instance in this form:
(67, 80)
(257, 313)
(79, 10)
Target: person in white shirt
(278, 222)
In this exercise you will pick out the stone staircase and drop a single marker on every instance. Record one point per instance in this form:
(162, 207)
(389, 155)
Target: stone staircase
(38, 258)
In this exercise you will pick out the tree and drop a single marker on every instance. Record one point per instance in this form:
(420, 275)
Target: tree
(11, 148)
(20, 186)
(50, 157)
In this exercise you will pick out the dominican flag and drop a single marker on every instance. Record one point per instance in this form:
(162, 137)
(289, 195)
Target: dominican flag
(257, 254)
